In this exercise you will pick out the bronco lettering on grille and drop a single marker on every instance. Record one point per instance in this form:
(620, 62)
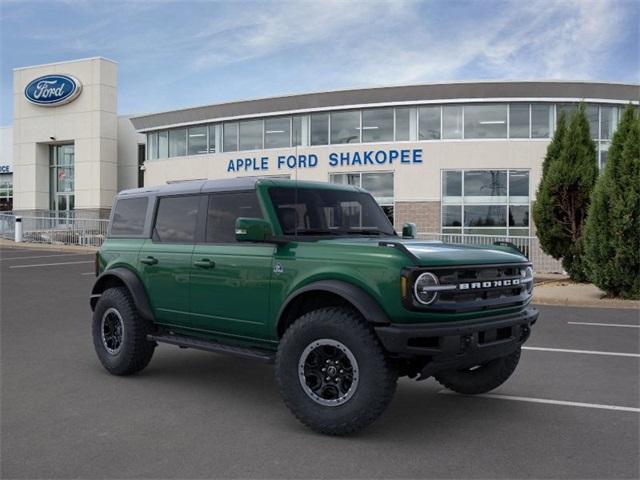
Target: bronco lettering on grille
(513, 282)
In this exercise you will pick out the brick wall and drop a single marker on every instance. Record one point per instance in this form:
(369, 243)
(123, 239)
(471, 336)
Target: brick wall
(426, 215)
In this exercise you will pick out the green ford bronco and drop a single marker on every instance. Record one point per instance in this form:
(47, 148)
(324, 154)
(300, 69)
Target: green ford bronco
(311, 277)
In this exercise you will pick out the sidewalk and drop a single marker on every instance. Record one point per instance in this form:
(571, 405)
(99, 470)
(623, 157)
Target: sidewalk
(46, 246)
(549, 291)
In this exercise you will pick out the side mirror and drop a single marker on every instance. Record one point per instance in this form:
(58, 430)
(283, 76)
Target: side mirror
(252, 230)
(409, 230)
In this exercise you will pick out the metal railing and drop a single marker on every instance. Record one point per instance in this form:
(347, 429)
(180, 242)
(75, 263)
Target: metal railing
(530, 246)
(60, 231)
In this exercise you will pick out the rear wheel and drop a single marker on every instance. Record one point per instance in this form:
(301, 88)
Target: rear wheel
(332, 372)
(120, 333)
(480, 378)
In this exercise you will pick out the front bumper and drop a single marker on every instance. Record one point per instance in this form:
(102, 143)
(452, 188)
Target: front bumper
(454, 345)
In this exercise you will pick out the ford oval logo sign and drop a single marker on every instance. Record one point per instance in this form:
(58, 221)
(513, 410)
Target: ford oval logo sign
(53, 90)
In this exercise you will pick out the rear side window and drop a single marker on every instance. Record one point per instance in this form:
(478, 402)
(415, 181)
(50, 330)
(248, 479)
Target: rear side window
(129, 216)
(176, 219)
(224, 209)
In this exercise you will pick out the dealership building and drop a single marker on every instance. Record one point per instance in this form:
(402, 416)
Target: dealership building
(460, 157)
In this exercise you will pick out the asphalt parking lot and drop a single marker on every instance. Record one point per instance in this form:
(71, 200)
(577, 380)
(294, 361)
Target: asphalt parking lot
(571, 410)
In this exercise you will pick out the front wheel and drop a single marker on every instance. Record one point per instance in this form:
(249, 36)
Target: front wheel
(120, 333)
(332, 372)
(480, 378)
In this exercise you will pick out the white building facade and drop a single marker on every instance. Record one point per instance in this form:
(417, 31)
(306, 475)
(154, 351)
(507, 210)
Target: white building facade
(453, 158)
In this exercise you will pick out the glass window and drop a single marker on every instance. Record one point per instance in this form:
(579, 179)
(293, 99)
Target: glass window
(224, 209)
(452, 184)
(485, 216)
(129, 216)
(429, 123)
(176, 219)
(251, 135)
(485, 121)
(452, 216)
(608, 122)
(403, 124)
(296, 126)
(452, 121)
(345, 127)
(377, 125)
(519, 185)
(519, 120)
(519, 216)
(313, 212)
(163, 144)
(541, 120)
(485, 184)
(592, 116)
(230, 137)
(178, 142)
(152, 146)
(277, 132)
(212, 138)
(197, 140)
(604, 153)
(568, 109)
(380, 185)
(345, 178)
(320, 129)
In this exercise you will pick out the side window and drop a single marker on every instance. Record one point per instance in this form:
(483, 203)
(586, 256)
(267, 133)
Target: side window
(129, 216)
(224, 209)
(176, 219)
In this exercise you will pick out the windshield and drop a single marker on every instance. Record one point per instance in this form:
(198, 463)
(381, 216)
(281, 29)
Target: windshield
(317, 211)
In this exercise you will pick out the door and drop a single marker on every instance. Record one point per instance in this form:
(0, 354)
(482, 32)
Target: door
(230, 281)
(165, 259)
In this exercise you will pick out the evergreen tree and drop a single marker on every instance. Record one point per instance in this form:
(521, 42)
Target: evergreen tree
(612, 233)
(548, 231)
(563, 198)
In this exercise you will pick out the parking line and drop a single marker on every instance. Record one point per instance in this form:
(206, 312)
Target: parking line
(604, 324)
(548, 401)
(44, 256)
(88, 273)
(588, 352)
(50, 264)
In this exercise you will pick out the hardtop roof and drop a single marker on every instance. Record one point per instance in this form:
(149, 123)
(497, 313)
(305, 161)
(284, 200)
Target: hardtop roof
(228, 185)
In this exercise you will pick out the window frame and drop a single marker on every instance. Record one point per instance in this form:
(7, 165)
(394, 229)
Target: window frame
(506, 203)
(198, 232)
(204, 217)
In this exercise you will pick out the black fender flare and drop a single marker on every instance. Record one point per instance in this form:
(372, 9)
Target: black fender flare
(132, 282)
(356, 296)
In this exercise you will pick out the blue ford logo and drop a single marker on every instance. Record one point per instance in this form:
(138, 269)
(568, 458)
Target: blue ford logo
(53, 90)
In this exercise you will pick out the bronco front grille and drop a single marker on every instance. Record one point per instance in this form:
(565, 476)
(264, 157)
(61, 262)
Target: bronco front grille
(469, 288)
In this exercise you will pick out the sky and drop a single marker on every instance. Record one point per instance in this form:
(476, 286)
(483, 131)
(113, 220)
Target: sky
(176, 54)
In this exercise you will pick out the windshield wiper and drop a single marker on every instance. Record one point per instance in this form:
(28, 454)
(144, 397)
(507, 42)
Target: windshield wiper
(363, 231)
(317, 231)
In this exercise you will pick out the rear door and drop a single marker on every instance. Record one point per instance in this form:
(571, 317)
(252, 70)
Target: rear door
(230, 281)
(165, 259)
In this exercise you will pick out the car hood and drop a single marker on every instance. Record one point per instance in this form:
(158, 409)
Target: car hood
(434, 253)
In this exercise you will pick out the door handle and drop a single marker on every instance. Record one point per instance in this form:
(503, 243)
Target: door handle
(149, 260)
(204, 263)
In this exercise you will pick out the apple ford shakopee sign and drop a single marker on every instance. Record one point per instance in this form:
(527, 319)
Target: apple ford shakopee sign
(53, 90)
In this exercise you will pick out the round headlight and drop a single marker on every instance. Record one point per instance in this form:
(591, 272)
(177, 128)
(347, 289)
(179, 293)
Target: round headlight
(425, 288)
(527, 277)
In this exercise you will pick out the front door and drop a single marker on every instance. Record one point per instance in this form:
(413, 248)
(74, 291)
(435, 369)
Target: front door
(230, 281)
(165, 259)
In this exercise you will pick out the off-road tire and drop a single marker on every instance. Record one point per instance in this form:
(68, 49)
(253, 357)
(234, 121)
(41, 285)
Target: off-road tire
(482, 379)
(377, 376)
(136, 351)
